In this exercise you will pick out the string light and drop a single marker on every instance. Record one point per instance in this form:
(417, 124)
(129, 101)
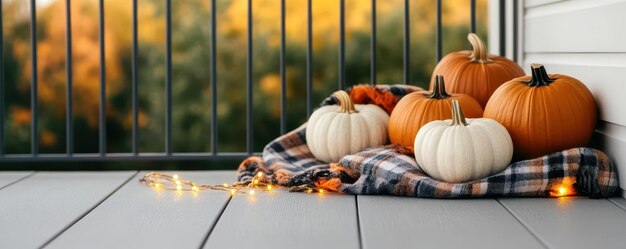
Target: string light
(564, 188)
(257, 183)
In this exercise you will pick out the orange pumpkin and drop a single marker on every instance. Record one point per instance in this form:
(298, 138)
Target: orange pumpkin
(544, 113)
(416, 109)
(475, 72)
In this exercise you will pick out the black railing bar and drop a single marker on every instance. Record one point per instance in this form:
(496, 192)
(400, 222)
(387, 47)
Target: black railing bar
(250, 77)
(438, 51)
(407, 42)
(2, 99)
(502, 31)
(34, 139)
(145, 156)
(102, 130)
(515, 30)
(134, 86)
(213, 68)
(472, 16)
(168, 77)
(342, 44)
(283, 78)
(309, 57)
(69, 102)
(373, 57)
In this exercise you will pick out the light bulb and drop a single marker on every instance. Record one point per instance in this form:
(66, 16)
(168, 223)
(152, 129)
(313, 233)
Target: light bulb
(175, 177)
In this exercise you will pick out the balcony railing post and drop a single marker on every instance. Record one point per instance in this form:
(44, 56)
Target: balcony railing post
(34, 139)
(2, 99)
(515, 30)
(134, 98)
(102, 134)
(69, 119)
(502, 31)
(438, 53)
(213, 66)
(342, 44)
(373, 55)
(283, 79)
(407, 42)
(168, 77)
(250, 79)
(309, 57)
(472, 16)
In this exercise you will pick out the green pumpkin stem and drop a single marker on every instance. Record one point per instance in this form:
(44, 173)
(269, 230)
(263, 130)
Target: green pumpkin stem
(345, 102)
(439, 89)
(479, 49)
(539, 76)
(457, 114)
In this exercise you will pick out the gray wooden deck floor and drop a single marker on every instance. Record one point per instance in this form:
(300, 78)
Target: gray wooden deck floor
(113, 210)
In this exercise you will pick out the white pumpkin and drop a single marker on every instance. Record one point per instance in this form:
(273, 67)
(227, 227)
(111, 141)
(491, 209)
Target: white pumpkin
(460, 150)
(335, 131)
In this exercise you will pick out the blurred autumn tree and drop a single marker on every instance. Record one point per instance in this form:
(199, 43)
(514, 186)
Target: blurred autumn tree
(191, 76)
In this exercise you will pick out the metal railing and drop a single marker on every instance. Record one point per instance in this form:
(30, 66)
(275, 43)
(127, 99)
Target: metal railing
(168, 153)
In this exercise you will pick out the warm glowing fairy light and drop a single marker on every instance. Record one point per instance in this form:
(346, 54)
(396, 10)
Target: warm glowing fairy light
(565, 188)
(250, 186)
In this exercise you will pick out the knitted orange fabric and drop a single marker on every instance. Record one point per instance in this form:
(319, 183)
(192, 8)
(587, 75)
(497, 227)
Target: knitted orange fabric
(371, 95)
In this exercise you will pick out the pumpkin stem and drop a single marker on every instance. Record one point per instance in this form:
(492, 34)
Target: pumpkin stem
(539, 76)
(457, 114)
(479, 49)
(439, 89)
(345, 102)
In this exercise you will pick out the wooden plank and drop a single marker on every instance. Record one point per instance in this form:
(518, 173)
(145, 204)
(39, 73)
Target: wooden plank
(576, 26)
(619, 201)
(10, 177)
(610, 139)
(282, 219)
(36, 209)
(571, 222)
(401, 222)
(601, 73)
(138, 216)
(535, 3)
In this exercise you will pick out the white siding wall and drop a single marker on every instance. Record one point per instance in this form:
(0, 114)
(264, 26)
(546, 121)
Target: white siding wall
(584, 39)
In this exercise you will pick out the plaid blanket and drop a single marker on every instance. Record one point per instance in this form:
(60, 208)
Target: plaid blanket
(392, 170)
